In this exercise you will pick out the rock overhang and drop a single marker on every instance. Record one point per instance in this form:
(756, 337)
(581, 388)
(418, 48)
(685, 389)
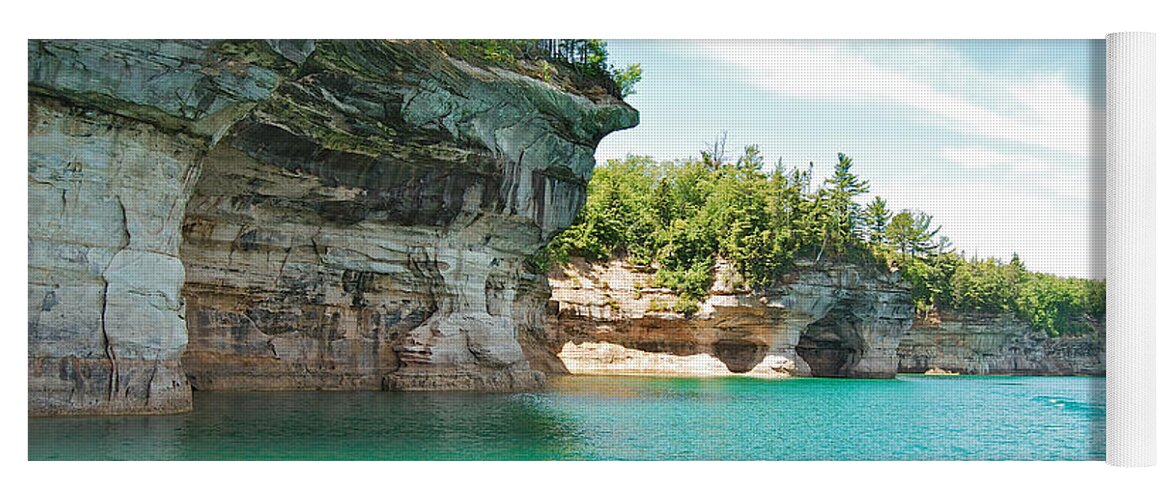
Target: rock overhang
(402, 189)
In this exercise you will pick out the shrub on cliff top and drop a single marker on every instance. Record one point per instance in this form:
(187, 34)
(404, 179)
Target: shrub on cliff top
(678, 218)
(588, 58)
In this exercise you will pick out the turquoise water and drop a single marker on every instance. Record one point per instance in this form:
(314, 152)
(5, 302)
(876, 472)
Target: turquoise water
(625, 418)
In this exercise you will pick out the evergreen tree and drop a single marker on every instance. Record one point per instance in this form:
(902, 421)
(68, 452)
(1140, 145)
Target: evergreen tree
(876, 217)
(911, 233)
(680, 218)
(841, 212)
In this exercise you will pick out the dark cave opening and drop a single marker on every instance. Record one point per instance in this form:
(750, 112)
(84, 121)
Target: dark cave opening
(831, 346)
(740, 356)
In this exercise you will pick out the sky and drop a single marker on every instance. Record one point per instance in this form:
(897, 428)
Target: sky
(1000, 140)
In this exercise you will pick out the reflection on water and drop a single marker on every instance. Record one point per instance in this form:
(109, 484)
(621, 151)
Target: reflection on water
(318, 426)
(733, 418)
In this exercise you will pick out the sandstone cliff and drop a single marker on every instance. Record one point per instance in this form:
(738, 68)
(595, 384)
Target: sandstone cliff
(833, 321)
(356, 215)
(289, 214)
(999, 344)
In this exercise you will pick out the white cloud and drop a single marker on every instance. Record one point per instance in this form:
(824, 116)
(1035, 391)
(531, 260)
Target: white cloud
(1042, 111)
(1006, 162)
(1046, 206)
(981, 158)
(1043, 174)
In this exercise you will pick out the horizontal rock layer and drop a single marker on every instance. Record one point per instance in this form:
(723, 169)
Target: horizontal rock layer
(603, 358)
(106, 318)
(834, 321)
(367, 226)
(118, 130)
(1000, 344)
(289, 215)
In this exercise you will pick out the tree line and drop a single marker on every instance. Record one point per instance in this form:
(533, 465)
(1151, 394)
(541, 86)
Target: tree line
(677, 218)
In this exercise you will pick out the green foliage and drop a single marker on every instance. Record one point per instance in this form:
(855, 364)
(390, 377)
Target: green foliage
(657, 305)
(541, 261)
(986, 285)
(930, 277)
(911, 233)
(876, 218)
(680, 218)
(686, 306)
(626, 78)
(690, 281)
(546, 71)
(585, 57)
(737, 210)
(504, 52)
(840, 217)
(1053, 304)
(614, 220)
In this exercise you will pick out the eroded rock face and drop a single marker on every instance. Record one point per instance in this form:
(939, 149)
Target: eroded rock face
(367, 226)
(835, 321)
(999, 344)
(832, 321)
(106, 321)
(337, 215)
(604, 358)
(117, 130)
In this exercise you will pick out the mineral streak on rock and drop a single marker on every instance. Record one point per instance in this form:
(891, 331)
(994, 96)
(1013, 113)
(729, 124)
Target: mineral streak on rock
(1000, 344)
(289, 214)
(831, 321)
(117, 130)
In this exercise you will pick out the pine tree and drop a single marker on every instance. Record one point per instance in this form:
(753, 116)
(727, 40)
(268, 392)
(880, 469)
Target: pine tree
(876, 217)
(841, 211)
(911, 233)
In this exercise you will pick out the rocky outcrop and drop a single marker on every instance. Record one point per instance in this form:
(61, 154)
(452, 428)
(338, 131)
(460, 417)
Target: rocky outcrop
(604, 358)
(289, 214)
(833, 321)
(1000, 344)
(117, 131)
(367, 226)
